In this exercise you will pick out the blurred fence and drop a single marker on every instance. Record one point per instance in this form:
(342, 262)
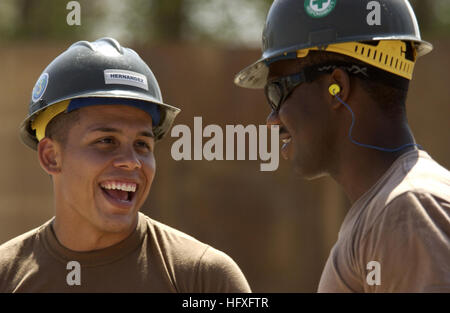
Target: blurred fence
(277, 227)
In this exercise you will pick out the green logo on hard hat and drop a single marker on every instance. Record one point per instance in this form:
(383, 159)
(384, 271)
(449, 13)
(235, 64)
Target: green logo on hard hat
(319, 8)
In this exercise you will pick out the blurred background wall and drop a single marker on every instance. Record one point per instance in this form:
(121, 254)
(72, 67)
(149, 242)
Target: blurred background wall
(277, 227)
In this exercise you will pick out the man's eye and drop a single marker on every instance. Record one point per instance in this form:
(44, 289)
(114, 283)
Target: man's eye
(143, 144)
(106, 140)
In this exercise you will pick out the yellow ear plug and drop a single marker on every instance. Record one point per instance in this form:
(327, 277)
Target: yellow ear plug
(334, 89)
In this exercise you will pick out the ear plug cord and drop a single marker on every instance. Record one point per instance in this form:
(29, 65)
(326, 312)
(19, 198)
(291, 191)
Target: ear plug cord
(334, 89)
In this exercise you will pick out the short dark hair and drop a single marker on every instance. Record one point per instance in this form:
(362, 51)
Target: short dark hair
(58, 128)
(391, 99)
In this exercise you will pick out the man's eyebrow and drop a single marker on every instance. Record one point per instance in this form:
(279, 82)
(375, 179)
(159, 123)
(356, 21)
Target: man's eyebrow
(144, 133)
(105, 130)
(147, 134)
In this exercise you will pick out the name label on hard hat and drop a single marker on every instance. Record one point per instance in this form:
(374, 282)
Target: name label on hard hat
(122, 77)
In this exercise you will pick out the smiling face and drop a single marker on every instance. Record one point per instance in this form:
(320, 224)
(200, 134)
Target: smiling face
(306, 123)
(106, 167)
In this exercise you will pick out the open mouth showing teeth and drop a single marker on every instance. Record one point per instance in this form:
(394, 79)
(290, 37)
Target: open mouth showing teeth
(286, 140)
(119, 190)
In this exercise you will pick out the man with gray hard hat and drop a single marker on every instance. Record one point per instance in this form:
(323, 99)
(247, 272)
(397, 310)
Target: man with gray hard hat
(336, 77)
(95, 115)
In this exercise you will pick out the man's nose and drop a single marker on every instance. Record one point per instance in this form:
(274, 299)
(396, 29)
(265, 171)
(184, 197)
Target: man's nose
(128, 159)
(273, 119)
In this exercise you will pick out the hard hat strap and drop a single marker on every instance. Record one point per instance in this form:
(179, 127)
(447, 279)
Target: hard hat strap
(366, 71)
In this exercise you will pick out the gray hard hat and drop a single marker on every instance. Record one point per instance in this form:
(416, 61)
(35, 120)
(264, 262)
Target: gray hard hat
(102, 69)
(293, 25)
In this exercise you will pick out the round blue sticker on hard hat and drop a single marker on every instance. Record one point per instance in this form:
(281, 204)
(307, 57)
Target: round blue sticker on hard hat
(319, 8)
(40, 87)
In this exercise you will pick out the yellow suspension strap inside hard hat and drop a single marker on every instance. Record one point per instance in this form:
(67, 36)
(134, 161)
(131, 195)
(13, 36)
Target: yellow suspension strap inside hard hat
(388, 55)
(42, 119)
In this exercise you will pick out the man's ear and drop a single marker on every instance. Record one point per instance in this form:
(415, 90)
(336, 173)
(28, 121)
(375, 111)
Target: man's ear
(342, 79)
(49, 153)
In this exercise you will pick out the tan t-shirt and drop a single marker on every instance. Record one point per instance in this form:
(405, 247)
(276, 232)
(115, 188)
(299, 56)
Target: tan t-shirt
(403, 224)
(155, 258)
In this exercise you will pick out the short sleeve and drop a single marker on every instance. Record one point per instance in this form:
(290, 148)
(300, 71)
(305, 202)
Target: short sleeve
(218, 273)
(411, 243)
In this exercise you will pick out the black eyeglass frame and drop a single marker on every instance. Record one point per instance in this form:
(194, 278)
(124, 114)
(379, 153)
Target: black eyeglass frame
(286, 84)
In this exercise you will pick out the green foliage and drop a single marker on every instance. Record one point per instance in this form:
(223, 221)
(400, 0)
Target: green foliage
(433, 17)
(221, 21)
(38, 20)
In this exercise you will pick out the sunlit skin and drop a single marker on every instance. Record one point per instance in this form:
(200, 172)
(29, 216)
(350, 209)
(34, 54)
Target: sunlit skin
(318, 126)
(108, 143)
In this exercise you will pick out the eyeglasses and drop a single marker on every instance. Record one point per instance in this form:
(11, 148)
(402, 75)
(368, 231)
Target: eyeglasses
(277, 90)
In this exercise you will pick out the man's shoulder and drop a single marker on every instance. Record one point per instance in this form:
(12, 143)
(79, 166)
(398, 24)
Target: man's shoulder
(173, 243)
(417, 174)
(17, 254)
(420, 207)
(198, 266)
(176, 242)
(422, 174)
(404, 218)
(418, 184)
(166, 232)
(21, 243)
(419, 203)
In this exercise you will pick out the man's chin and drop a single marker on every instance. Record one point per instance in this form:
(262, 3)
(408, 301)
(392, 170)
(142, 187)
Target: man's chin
(117, 223)
(308, 173)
